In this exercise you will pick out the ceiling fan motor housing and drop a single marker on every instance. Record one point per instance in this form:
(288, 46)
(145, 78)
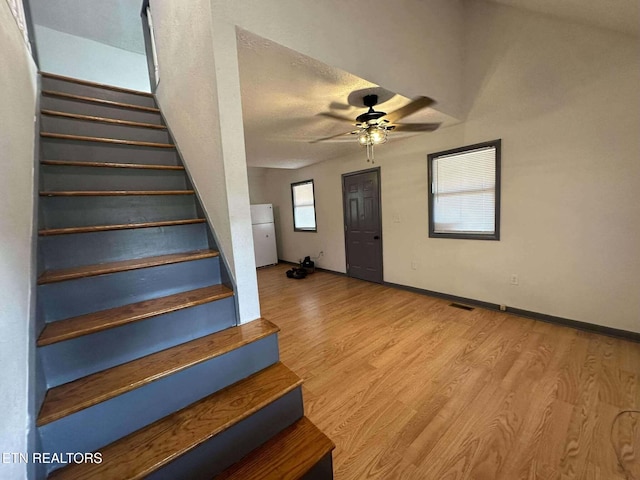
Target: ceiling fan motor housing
(370, 101)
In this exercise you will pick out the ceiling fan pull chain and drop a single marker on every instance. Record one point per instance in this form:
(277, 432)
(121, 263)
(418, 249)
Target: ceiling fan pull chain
(370, 157)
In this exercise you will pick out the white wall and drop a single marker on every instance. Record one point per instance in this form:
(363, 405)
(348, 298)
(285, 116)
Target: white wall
(564, 99)
(257, 178)
(79, 57)
(200, 96)
(18, 99)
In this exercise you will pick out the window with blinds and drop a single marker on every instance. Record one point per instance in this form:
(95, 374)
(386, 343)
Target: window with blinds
(464, 198)
(304, 209)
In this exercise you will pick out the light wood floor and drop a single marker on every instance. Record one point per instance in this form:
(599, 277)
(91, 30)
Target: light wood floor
(408, 387)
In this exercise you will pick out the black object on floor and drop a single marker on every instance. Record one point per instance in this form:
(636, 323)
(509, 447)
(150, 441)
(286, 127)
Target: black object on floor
(297, 273)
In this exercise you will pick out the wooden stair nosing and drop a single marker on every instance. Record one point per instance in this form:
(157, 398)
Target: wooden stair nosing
(91, 118)
(94, 322)
(288, 455)
(113, 141)
(71, 163)
(142, 452)
(72, 397)
(60, 275)
(95, 84)
(113, 193)
(100, 101)
(125, 226)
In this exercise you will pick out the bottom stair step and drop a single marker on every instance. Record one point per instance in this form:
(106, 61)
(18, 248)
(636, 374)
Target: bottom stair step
(154, 446)
(288, 456)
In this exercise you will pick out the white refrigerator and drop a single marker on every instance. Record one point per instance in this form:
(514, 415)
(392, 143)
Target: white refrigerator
(264, 234)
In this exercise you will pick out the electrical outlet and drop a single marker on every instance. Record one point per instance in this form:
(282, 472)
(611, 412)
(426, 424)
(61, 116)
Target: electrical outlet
(320, 254)
(503, 308)
(514, 280)
(414, 265)
(396, 218)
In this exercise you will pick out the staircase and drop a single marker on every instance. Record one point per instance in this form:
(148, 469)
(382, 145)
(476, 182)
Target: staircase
(140, 357)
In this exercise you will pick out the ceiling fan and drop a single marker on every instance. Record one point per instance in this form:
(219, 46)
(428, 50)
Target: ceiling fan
(372, 126)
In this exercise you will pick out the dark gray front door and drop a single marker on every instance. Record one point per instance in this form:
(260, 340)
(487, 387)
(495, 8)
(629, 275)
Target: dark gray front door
(363, 227)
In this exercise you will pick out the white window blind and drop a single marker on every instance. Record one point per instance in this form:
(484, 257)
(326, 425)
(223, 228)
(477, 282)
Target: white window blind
(464, 192)
(304, 213)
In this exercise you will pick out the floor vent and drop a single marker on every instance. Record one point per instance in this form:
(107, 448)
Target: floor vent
(460, 306)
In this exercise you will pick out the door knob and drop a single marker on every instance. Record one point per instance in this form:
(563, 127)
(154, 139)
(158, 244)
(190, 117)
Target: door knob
(377, 237)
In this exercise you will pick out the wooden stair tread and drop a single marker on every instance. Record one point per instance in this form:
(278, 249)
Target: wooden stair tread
(95, 84)
(114, 141)
(70, 163)
(114, 317)
(85, 392)
(113, 193)
(146, 450)
(60, 275)
(287, 456)
(124, 226)
(111, 103)
(91, 118)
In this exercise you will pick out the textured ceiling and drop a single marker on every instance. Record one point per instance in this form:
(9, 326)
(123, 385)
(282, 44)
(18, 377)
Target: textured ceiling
(113, 22)
(620, 15)
(282, 94)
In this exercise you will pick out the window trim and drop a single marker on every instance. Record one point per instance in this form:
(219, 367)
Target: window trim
(497, 144)
(293, 206)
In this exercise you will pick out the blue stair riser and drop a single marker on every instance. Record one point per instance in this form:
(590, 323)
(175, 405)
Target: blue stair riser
(62, 212)
(72, 359)
(212, 457)
(61, 178)
(73, 88)
(115, 418)
(97, 110)
(66, 251)
(70, 126)
(88, 151)
(91, 294)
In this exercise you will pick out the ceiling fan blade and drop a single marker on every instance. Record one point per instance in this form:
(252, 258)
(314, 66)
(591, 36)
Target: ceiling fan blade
(332, 136)
(413, 106)
(416, 127)
(336, 117)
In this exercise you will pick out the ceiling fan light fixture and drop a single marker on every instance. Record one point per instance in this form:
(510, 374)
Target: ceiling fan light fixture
(372, 135)
(377, 134)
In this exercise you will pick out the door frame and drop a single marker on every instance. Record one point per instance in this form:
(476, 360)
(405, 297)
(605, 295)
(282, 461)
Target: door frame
(377, 171)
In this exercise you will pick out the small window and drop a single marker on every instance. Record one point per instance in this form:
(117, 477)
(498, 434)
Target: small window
(464, 198)
(304, 208)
